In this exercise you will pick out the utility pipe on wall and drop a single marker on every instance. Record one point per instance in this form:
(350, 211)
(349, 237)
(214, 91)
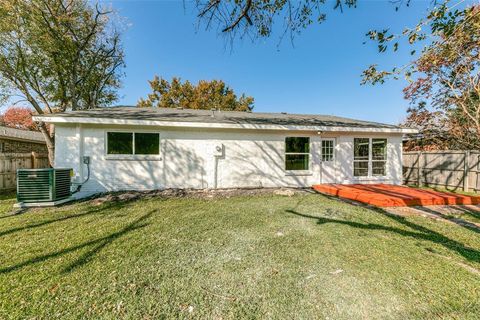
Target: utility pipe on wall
(218, 153)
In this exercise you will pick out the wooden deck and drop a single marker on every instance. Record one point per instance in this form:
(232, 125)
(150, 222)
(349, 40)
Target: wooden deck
(385, 195)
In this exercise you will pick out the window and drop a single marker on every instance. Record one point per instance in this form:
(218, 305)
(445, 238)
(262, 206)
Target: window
(360, 157)
(369, 164)
(147, 143)
(379, 156)
(120, 143)
(297, 153)
(327, 150)
(133, 143)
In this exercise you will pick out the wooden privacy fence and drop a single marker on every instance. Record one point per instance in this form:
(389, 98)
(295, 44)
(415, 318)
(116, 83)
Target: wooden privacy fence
(452, 169)
(10, 162)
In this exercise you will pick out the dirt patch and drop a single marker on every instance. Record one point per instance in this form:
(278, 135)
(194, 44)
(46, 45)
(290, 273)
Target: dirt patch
(126, 196)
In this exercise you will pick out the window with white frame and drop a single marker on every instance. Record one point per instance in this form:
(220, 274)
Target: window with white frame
(327, 150)
(361, 147)
(369, 157)
(297, 153)
(379, 157)
(133, 143)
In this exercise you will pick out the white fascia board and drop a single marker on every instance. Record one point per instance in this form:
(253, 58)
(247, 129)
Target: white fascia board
(157, 123)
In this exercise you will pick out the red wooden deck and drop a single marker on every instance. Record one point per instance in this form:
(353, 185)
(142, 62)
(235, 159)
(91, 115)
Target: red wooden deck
(385, 195)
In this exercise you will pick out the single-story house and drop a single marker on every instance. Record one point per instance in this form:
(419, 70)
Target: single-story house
(133, 148)
(14, 140)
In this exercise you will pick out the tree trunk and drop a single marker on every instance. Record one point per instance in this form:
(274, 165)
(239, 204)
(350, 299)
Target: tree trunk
(50, 143)
(42, 126)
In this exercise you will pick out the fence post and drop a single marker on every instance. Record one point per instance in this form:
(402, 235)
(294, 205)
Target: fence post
(419, 169)
(466, 168)
(34, 159)
(477, 184)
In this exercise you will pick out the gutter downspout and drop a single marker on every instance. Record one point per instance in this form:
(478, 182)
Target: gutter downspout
(81, 150)
(319, 133)
(219, 153)
(215, 173)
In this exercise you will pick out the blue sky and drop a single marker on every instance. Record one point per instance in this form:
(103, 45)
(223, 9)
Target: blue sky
(320, 74)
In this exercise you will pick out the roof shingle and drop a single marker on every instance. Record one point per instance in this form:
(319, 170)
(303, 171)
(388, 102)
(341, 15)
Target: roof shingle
(226, 117)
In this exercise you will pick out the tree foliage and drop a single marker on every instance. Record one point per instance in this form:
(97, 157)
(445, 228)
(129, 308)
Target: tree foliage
(204, 95)
(58, 55)
(19, 117)
(257, 18)
(444, 80)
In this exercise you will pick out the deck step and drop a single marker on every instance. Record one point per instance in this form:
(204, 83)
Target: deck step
(386, 195)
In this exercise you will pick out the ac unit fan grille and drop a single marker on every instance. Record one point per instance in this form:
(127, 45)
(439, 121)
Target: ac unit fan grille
(43, 185)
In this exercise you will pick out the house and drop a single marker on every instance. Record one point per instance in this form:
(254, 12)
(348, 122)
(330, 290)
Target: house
(21, 141)
(154, 148)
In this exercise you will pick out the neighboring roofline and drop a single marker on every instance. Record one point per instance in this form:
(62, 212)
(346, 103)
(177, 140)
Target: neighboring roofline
(22, 139)
(9, 133)
(81, 120)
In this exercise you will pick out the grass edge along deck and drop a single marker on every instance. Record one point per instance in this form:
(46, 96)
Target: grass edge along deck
(385, 195)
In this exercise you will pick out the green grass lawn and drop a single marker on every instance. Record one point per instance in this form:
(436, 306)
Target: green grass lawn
(263, 256)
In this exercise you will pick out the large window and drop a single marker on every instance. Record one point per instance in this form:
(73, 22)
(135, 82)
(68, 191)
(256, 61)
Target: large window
(369, 157)
(297, 153)
(327, 150)
(133, 143)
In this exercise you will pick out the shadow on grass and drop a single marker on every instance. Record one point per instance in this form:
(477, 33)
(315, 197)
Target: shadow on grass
(458, 221)
(419, 233)
(113, 205)
(98, 245)
(470, 212)
(9, 215)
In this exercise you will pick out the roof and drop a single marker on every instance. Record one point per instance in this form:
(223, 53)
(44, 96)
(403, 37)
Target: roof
(215, 119)
(18, 134)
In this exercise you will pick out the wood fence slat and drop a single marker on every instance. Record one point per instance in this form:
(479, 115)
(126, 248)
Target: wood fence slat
(458, 169)
(10, 162)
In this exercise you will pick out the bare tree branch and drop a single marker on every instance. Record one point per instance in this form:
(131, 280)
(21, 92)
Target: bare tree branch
(243, 15)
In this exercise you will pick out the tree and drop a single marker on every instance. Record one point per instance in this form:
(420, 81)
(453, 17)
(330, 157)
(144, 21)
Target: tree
(432, 125)
(19, 117)
(205, 95)
(444, 80)
(256, 18)
(58, 54)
